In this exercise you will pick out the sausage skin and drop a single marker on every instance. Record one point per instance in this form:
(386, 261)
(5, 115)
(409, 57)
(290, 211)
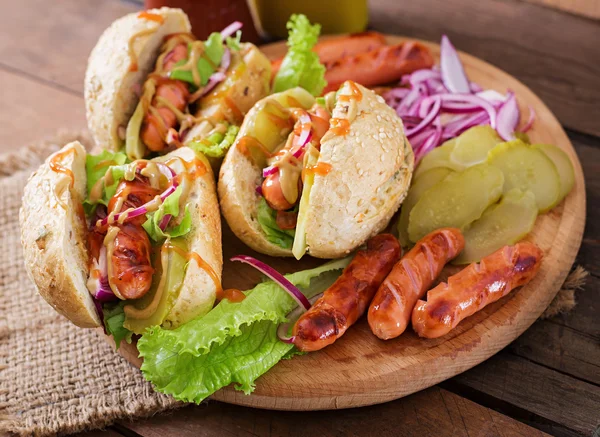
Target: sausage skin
(474, 287)
(384, 65)
(154, 130)
(131, 265)
(391, 309)
(332, 49)
(346, 300)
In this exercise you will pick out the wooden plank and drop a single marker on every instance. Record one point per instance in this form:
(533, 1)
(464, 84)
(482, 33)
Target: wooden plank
(586, 8)
(433, 410)
(560, 403)
(58, 38)
(562, 348)
(554, 53)
(588, 150)
(570, 343)
(32, 110)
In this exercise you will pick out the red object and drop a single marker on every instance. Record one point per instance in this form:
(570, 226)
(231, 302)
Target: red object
(209, 16)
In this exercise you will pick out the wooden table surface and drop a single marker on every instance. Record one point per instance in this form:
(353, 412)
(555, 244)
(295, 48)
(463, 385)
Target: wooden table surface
(547, 381)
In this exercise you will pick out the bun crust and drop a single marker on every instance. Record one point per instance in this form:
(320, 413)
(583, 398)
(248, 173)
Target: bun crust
(198, 292)
(54, 237)
(109, 84)
(371, 169)
(239, 176)
(54, 240)
(245, 88)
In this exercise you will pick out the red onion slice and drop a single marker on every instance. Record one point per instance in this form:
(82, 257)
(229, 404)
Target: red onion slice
(306, 125)
(472, 100)
(231, 29)
(431, 142)
(492, 96)
(293, 316)
(276, 277)
(453, 73)
(421, 76)
(475, 88)
(426, 120)
(164, 222)
(214, 79)
(530, 120)
(396, 94)
(103, 291)
(508, 118)
(141, 209)
(456, 127)
(268, 171)
(410, 98)
(226, 59)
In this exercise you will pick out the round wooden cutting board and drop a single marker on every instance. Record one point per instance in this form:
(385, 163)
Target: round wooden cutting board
(361, 370)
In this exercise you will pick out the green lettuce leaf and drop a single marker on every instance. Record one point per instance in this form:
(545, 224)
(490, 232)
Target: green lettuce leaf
(96, 167)
(266, 217)
(218, 145)
(114, 317)
(213, 50)
(233, 42)
(301, 66)
(169, 206)
(234, 342)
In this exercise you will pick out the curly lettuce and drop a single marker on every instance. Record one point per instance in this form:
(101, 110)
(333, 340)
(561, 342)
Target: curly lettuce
(96, 166)
(169, 207)
(114, 318)
(233, 343)
(267, 219)
(217, 144)
(301, 66)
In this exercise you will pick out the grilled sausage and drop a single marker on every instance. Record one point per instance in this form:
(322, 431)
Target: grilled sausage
(271, 191)
(332, 49)
(131, 266)
(411, 277)
(179, 52)
(473, 288)
(384, 65)
(271, 186)
(137, 192)
(346, 300)
(155, 126)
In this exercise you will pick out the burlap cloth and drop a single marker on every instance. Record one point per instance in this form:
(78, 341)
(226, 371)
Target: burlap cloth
(54, 377)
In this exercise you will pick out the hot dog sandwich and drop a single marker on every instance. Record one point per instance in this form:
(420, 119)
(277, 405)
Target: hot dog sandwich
(318, 176)
(145, 235)
(150, 86)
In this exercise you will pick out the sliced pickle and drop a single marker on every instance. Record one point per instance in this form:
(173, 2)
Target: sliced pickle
(456, 202)
(419, 186)
(527, 168)
(564, 166)
(145, 311)
(270, 120)
(501, 224)
(438, 157)
(473, 145)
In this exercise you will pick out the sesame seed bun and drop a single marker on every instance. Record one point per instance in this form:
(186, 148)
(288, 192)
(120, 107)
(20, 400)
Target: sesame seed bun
(371, 169)
(54, 239)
